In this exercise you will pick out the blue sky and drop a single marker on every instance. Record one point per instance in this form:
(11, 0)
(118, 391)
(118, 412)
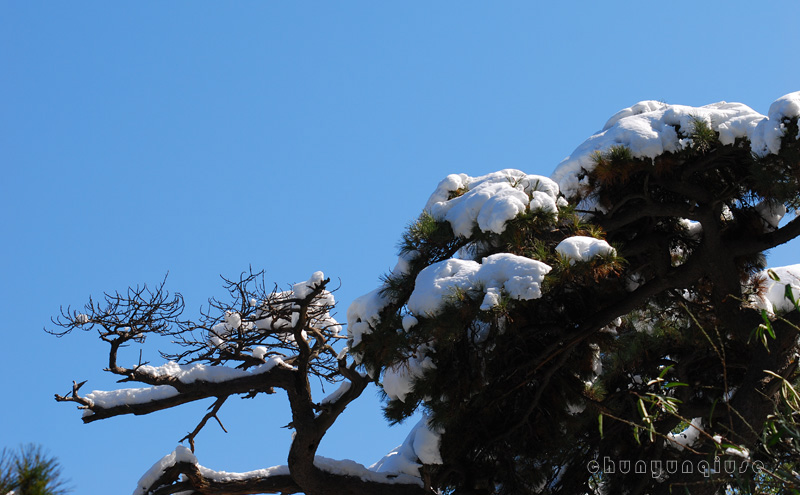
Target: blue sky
(199, 138)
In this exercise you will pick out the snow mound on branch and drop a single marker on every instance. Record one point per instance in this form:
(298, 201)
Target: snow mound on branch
(184, 373)
(773, 296)
(767, 138)
(504, 273)
(128, 396)
(772, 213)
(198, 372)
(490, 201)
(421, 446)
(279, 311)
(180, 454)
(344, 467)
(651, 128)
(582, 248)
(304, 289)
(686, 438)
(398, 379)
(337, 394)
(517, 276)
(363, 314)
(485, 202)
(279, 302)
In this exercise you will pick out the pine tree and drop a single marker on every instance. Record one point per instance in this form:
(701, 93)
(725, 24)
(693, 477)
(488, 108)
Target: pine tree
(661, 334)
(613, 328)
(30, 471)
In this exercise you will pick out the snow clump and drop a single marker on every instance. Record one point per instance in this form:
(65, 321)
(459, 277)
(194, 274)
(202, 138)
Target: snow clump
(651, 128)
(582, 248)
(279, 311)
(489, 201)
(180, 454)
(398, 379)
(773, 296)
(364, 313)
(519, 277)
(686, 438)
(421, 446)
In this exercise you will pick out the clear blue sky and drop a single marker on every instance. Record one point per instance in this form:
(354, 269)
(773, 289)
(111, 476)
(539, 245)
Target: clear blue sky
(202, 137)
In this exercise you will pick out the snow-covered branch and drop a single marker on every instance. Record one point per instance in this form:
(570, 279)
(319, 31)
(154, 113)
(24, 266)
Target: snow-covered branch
(174, 385)
(260, 342)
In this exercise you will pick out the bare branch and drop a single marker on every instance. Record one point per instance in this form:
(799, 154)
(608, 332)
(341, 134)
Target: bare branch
(214, 409)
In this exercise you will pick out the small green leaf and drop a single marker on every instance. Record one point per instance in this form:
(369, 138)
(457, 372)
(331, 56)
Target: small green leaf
(774, 276)
(676, 384)
(767, 325)
(600, 424)
(643, 409)
(789, 294)
(773, 439)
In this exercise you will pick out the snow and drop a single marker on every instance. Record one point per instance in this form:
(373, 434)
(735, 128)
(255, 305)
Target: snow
(773, 298)
(421, 446)
(772, 213)
(693, 229)
(541, 201)
(259, 352)
(687, 437)
(232, 323)
(440, 281)
(184, 373)
(233, 320)
(398, 379)
(582, 248)
(346, 467)
(128, 396)
(363, 313)
(652, 128)
(180, 454)
(575, 409)
(303, 289)
(739, 451)
(490, 201)
(198, 372)
(785, 107)
(267, 317)
(487, 203)
(408, 322)
(183, 454)
(337, 394)
(257, 473)
(767, 136)
(517, 276)
(421, 436)
(426, 443)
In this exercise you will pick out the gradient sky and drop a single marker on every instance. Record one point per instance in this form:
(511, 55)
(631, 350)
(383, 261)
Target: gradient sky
(200, 138)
